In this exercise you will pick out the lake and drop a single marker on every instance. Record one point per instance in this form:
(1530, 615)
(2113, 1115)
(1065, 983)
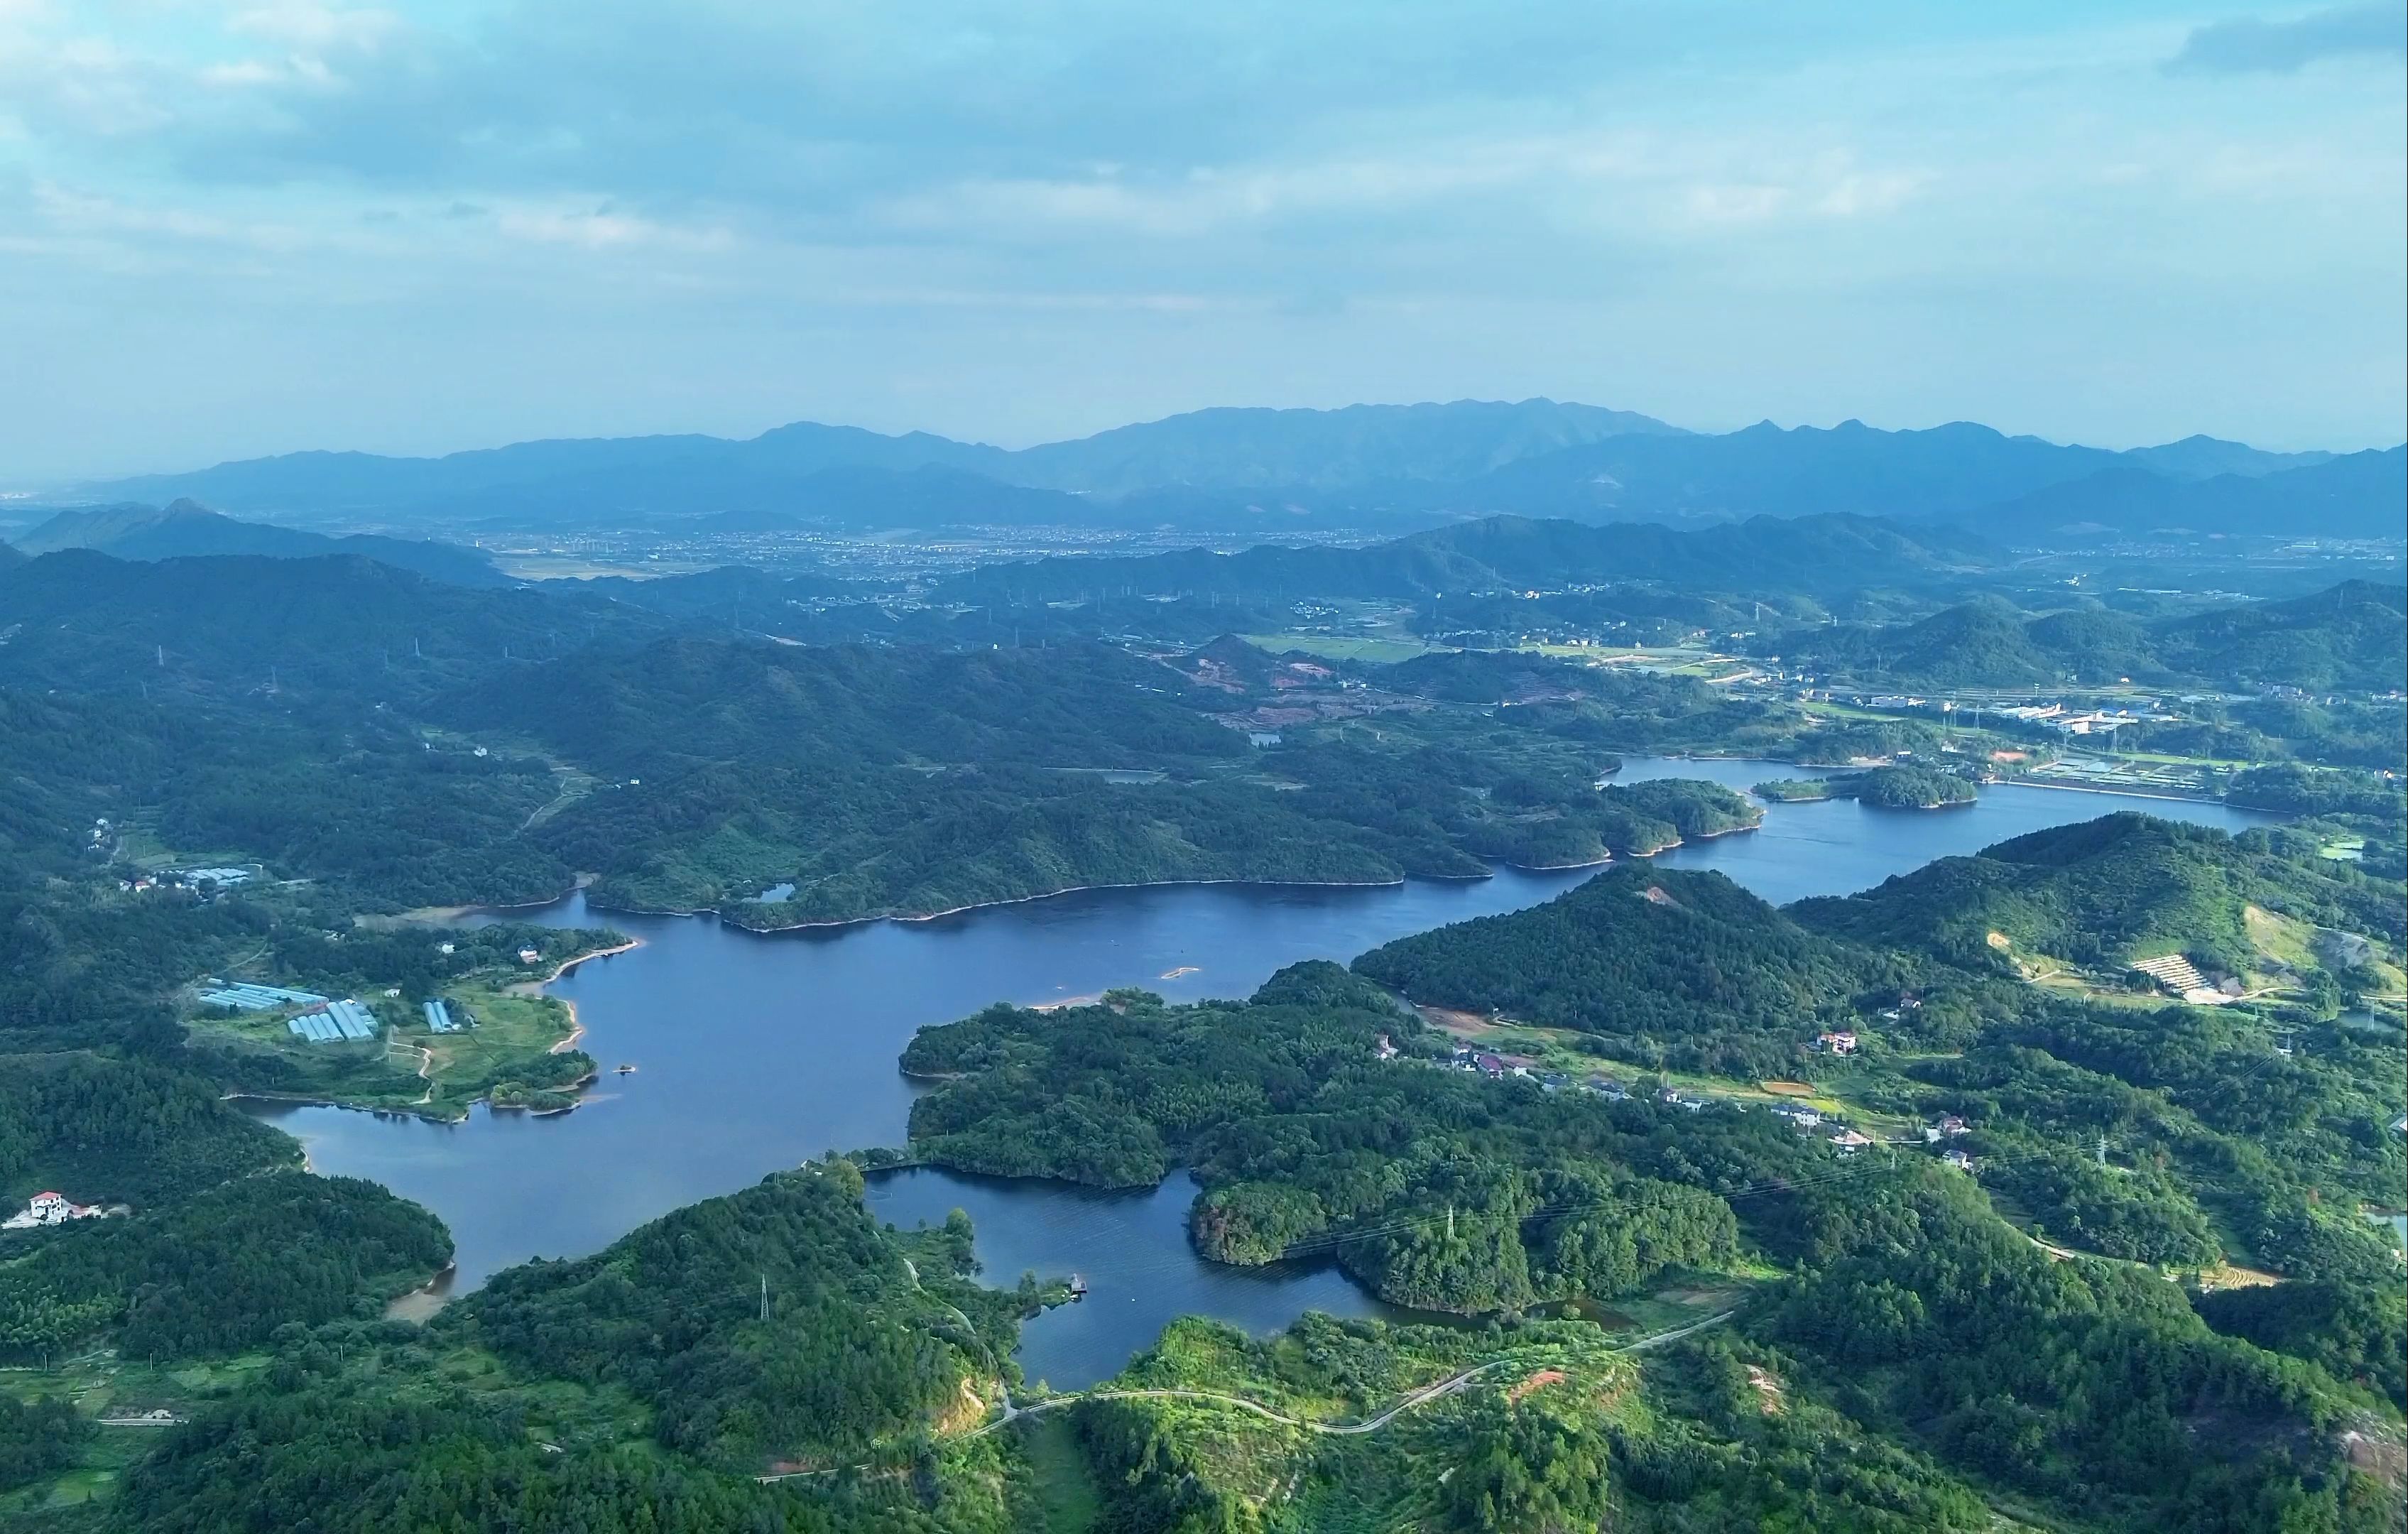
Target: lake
(758, 1051)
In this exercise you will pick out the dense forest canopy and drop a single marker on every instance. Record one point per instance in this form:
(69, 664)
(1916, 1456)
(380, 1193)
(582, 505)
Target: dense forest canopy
(2351, 637)
(1660, 964)
(1910, 1298)
(2120, 888)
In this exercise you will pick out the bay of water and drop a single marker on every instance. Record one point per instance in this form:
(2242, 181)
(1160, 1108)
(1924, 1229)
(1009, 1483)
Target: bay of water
(758, 1051)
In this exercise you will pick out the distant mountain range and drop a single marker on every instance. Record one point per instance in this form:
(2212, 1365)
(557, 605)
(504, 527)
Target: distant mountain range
(1366, 467)
(183, 529)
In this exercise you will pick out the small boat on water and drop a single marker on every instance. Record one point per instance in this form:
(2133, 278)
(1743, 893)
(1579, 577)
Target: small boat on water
(1078, 1286)
(626, 1070)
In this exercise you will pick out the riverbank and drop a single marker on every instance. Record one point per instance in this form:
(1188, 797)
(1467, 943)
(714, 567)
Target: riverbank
(833, 924)
(2130, 793)
(449, 915)
(535, 988)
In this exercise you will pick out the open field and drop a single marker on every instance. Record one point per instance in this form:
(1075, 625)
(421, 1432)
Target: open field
(516, 1039)
(1345, 648)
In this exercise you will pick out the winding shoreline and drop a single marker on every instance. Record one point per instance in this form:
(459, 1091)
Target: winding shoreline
(838, 921)
(1049, 894)
(576, 1024)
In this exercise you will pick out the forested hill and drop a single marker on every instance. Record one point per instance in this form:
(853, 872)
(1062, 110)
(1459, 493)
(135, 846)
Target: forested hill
(1687, 968)
(235, 625)
(1909, 1306)
(219, 1238)
(2351, 636)
(185, 529)
(691, 702)
(1763, 554)
(2116, 890)
(638, 1388)
(1648, 959)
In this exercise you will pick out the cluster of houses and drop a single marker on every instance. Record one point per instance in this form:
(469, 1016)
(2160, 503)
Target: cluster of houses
(190, 879)
(1496, 1068)
(50, 1209)
(1848, 1141)
(1481, 1062)
(1804, 1116)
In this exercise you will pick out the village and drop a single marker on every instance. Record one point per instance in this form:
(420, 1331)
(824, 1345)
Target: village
(1540, 1056)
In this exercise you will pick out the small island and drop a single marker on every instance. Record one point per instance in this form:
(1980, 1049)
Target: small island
(1796, 790)
(1885, 787)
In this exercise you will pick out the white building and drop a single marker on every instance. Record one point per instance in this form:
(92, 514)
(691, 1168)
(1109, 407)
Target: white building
(48, 1209)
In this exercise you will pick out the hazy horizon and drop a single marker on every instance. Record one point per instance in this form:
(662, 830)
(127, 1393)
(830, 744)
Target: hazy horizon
(480, 447)
(231, 230)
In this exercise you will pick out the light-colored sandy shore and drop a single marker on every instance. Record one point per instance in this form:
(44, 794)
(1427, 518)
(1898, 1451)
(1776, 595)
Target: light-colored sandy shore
(576, 1026)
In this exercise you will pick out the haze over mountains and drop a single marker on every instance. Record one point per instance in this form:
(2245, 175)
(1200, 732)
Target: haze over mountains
(1364, 467)
(1508, 553)
(183, 529)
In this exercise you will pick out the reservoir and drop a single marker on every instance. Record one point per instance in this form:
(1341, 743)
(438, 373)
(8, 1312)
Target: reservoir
(759, 1052)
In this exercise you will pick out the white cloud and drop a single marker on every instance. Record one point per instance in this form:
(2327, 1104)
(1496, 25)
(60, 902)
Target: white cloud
(322, 28)
(1734, 204)
(1856, 194)
(603, 229)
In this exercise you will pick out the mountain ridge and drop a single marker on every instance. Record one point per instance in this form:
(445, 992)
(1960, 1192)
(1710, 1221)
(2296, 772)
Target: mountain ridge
(1362, 466)
(184, 530)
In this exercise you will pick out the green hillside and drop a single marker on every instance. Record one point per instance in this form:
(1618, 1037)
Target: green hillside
(1510, 554)
(1306, 1141)
(2108, 892)
(1647, 959)
(217, 1238)
(688, 702)
(2351, 636)
(904, 781)
(636, 1388)
(289, 630)
(1908, 1302)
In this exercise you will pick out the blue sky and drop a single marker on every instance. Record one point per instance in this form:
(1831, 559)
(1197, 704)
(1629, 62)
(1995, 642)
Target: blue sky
(229, 229)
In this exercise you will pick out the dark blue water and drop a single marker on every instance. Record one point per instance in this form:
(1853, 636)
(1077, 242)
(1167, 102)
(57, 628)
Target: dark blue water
(757, 1053)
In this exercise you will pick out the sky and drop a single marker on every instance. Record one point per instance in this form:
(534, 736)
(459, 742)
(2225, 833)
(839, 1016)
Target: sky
(235, 229)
